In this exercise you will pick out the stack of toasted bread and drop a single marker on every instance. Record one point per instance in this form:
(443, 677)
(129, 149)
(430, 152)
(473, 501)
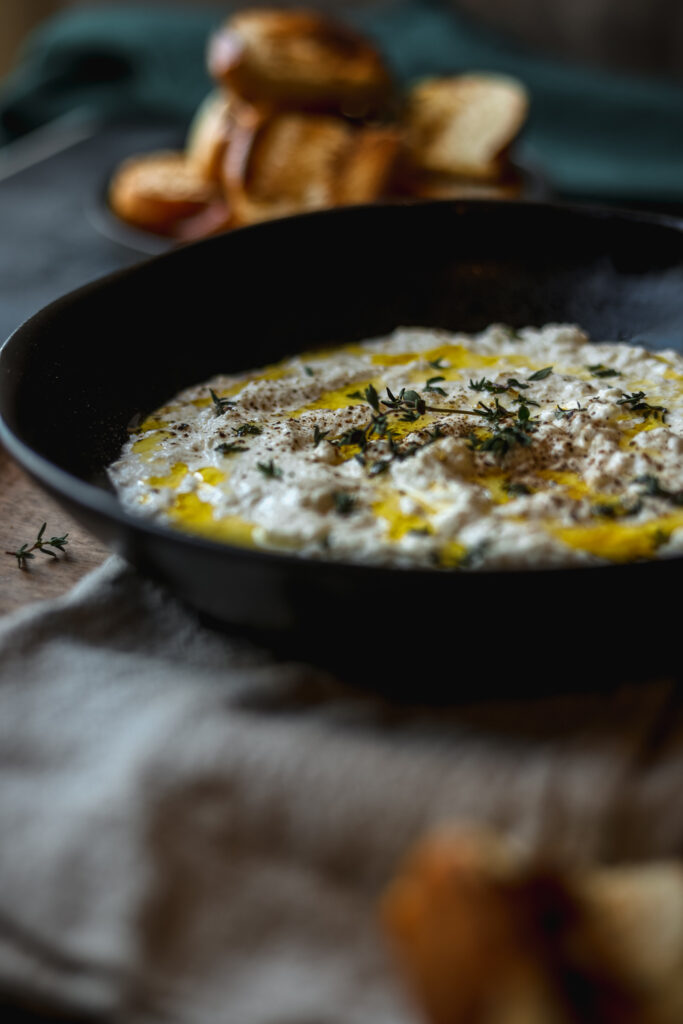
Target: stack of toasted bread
(305, 115)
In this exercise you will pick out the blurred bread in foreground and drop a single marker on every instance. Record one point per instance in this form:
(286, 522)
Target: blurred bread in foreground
(485, 936)
(155, 190)
(299, 59)
(462, 125)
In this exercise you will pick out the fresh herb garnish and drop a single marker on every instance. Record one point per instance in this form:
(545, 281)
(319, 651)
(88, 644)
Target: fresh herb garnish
(561, 413)
(599, 370)
(541, 374)
(220, 405)
(497, 389)
(429, 386)
(653, 488)
(248, 428)
(505, 437)
(516, 489)
(344, 503)
(230, 448)
(438, 364)
(309, 370)
(318, 435)
(270, 469)
(25, 552)
(636, 403)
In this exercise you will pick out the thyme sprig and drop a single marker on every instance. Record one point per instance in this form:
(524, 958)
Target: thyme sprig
(25, 552)
(505, 435)
(561, 413)
(497, 389)
(636, 403)
(220, 405)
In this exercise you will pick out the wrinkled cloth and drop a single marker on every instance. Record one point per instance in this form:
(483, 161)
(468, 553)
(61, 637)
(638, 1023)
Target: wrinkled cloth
(591, 133)
(193, 831)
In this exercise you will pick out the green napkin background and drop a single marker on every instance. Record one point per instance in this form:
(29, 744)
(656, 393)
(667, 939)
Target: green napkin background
(591, 133)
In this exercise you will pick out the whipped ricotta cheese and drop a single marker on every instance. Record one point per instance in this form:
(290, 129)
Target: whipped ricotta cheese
(504, 449)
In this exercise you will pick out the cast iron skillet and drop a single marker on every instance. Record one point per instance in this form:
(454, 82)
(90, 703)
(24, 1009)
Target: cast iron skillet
(74, 375)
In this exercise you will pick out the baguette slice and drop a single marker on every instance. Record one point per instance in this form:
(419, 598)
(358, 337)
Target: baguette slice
(282, 165)
(463, 125)
(209, 134)
(366, 171)
(449, 186)
(299, 60)
(155, 190)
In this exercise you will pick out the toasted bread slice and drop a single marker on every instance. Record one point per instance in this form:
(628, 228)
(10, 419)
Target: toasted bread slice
(299, 60)
(463, 125)
(367, 168)
(155, 190)
(285, 164)
(209, 133)
(450, 186)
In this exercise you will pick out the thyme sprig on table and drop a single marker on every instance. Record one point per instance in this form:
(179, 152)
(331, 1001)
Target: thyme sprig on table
(25, 552)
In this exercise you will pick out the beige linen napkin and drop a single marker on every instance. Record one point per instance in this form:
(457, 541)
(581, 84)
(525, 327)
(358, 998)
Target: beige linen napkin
(193, 832)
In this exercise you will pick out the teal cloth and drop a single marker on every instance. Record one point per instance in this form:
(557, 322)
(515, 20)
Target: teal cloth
(592, 133)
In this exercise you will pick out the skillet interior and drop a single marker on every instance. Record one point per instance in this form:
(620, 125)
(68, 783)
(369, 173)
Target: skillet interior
(73, 376)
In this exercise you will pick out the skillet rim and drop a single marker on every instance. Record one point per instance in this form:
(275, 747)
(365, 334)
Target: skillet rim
(100, 501)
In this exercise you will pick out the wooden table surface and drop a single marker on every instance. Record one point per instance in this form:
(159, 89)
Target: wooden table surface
(24, 507)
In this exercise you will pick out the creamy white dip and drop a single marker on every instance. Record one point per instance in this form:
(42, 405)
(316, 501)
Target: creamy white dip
(527, 448)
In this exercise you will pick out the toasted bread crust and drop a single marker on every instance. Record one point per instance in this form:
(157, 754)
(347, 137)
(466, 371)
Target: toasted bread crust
(283, 164)
(155, 190)
(367, 169)
(209, 134)
(463, 125)
(299, 60)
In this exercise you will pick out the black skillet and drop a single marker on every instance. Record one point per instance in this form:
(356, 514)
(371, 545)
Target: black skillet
(74, 375)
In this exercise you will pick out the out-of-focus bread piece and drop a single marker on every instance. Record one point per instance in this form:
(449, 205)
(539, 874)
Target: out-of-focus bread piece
(486, 936)
(209, 133)
(291, 162)
(366, 171)
(449, 186)
(301, 60)
(463, 125)
(460, 944)
(283, 165)
(155, 190)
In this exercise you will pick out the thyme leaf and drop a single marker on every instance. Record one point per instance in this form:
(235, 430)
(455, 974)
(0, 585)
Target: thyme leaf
(429, 386)
(248, 428)
(230, 448)
(600, 370)
(318, 435)
(344, 503)
(220, 405)
(270, 469)
(541, 374)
